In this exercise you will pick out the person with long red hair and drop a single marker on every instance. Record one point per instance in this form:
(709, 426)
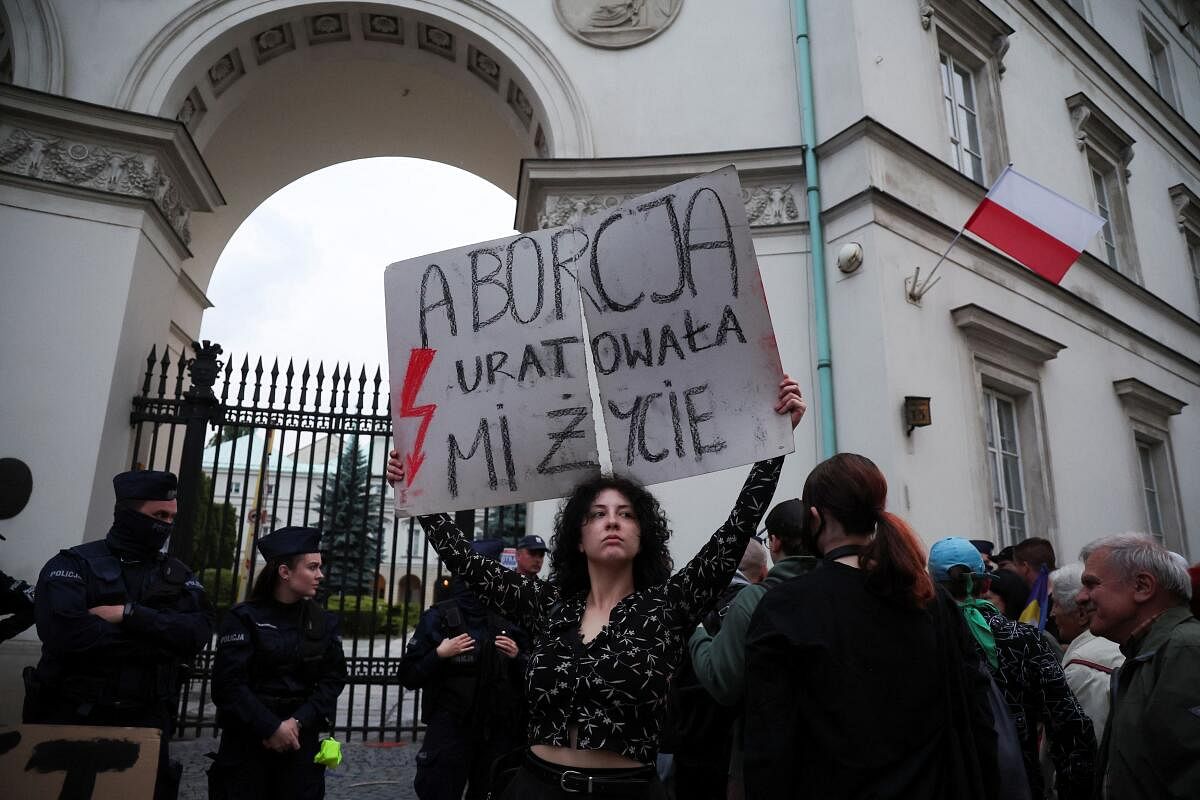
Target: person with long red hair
(861, 679)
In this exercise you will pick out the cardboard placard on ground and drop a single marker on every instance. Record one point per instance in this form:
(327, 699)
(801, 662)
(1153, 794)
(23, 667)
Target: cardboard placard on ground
(38, 762)
(490, 400)
(679, 333)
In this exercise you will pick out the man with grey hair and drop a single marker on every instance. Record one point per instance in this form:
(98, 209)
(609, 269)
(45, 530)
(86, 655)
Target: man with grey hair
(1090, 660)
(1138, 594)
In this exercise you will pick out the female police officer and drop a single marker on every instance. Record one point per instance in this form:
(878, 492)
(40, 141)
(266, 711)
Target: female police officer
(278, 673)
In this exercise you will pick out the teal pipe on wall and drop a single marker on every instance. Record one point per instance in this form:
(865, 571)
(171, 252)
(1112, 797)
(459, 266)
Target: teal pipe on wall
(816, 232)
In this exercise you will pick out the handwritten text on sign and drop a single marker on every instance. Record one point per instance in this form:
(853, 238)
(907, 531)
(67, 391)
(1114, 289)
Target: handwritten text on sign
(488, 353)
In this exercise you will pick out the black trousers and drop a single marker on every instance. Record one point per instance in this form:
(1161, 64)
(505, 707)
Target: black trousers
(245, 770)
(61, 711)
(456, 755)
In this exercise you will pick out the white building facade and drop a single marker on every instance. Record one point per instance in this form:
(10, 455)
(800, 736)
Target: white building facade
(134, 139)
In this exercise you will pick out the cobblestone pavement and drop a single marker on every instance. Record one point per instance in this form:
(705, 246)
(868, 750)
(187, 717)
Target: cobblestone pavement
(369, 770)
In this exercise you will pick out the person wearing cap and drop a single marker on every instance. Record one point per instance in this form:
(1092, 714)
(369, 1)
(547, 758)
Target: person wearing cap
(118, 619)
(277, 676)
(985, 549)
(531, 552)
(469, 662)
(1026, 668)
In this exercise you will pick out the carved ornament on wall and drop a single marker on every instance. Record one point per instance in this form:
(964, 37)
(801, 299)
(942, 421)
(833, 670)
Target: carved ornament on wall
(767, 204)
(89, 165)
(616, 23)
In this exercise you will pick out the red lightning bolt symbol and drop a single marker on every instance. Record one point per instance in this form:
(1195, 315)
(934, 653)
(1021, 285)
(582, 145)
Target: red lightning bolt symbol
(419, 361)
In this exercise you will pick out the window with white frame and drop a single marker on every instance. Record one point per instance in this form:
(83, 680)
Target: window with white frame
(1187, 216)
(962, 117)
(1107, 151)
(970, 43)
(1102, 179)
(1193, 247)
(1146, 459)
(1161, 75)
(1008, 360)
(1004, 465)
(235, 487)
(1153, 467)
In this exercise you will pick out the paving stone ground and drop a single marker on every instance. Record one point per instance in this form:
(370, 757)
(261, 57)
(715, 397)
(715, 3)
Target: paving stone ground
(369, 771)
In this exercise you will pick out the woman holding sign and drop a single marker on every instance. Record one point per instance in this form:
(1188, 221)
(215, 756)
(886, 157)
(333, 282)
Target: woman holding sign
(609, 625)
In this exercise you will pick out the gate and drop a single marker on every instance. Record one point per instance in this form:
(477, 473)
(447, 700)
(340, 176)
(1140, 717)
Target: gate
(259, 449)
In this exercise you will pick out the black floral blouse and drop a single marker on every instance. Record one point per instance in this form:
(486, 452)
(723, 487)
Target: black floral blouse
(613, 689)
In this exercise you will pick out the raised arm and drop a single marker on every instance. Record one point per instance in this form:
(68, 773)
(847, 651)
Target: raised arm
(524, 600)
(693, 589)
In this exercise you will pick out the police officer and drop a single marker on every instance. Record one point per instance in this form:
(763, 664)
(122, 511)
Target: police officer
(119, 621)
(470, 663)
(278, 673)
(531, 552)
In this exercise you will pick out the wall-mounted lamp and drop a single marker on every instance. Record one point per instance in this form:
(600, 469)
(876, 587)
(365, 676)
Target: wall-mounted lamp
(916, 413)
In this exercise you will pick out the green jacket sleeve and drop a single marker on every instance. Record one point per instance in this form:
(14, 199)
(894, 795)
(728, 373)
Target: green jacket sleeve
(720, 661)
(1174, 720)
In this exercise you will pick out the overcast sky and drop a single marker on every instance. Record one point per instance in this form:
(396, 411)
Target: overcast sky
(303, 276)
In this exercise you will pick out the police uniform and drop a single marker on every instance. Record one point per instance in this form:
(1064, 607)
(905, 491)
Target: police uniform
(275, 661)
(16, 600)
(471, 703)
(95, 672)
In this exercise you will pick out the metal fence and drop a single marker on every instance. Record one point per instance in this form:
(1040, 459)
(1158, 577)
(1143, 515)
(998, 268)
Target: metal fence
(257, 449)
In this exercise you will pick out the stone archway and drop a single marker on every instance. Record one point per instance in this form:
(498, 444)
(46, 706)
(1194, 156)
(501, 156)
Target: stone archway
(271, 92)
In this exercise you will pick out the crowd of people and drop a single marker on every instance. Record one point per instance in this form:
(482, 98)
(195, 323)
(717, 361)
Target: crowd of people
(858, 664)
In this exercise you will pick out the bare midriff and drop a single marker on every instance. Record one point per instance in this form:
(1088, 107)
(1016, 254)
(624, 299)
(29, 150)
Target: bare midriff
(585, 759)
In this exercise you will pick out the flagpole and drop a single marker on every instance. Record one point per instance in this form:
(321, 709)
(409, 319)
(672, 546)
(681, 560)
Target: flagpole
(918, 290)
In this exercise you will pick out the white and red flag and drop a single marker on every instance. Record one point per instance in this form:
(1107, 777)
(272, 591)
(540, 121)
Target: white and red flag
(1040, 228)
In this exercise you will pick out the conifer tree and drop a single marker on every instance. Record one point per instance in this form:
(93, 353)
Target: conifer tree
(350, 524)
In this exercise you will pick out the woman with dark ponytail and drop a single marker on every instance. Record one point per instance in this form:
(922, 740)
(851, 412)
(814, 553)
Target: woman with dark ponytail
(861, 680)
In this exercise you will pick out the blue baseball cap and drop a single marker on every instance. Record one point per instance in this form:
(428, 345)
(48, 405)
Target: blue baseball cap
(953, 551)
(488, 548)
(533, 543)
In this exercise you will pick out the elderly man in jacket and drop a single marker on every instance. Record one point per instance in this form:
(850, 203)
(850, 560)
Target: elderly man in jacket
(1138, 592)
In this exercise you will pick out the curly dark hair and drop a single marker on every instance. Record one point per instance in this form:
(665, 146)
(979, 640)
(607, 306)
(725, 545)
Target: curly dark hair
(568, 565)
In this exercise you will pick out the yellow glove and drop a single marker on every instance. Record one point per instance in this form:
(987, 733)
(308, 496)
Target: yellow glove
(330, 754)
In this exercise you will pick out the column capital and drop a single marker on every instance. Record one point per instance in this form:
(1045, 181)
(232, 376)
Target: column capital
(553, 192)
(92, 151)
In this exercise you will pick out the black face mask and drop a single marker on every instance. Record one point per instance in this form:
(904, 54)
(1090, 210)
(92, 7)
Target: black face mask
(137, 534)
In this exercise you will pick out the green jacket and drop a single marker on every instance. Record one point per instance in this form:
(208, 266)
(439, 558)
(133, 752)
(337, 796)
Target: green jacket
(720, 661)
(1151, 746)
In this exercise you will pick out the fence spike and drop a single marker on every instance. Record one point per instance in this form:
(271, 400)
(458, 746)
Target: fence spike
(337, 381)
(228, 380)
(288, 374)
(165, 364)
(150, 359)
(362, 387)
(320, 385)
(304, 375)
(346, 389)
(274, 382)
(375, 396)
(245, 377)
(180, 369)
(258, 373)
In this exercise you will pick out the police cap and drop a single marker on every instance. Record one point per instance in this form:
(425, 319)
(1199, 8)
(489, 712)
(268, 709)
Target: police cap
(145, 484)
(532, 543)
(488, 548)
(291, 541)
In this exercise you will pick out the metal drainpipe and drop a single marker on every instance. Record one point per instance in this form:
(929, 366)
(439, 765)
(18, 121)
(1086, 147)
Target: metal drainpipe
(816, 232)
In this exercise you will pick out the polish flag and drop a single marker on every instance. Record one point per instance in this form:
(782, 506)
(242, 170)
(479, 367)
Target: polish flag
(1043, 230)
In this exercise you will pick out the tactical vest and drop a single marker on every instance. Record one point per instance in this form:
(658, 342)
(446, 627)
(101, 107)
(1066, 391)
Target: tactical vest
(457, 687)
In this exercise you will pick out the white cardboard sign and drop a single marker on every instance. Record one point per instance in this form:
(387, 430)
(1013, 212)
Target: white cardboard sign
(488, 355)
(679, 333)
(490, 401)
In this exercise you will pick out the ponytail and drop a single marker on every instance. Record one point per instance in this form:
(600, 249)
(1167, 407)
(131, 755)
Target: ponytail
(894, 561)
(854, 491)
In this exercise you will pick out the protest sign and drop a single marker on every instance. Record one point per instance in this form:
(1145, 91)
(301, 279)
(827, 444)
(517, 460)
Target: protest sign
(490, 401)
(77, 761)
(489, 356)
(679, 333)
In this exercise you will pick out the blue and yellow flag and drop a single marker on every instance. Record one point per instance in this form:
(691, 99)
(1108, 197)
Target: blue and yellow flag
(1038, 605)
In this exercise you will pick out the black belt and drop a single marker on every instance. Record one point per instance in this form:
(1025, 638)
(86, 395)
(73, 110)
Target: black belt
(594, 782)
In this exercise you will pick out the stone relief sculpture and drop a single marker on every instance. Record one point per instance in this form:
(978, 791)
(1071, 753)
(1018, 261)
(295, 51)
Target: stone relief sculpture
(770, 205)
(765, 205)
(606, 23)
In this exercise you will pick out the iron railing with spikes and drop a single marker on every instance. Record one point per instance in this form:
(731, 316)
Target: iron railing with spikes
(258, 448)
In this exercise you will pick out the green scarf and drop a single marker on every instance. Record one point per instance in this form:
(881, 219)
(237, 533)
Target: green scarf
(979, 627)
